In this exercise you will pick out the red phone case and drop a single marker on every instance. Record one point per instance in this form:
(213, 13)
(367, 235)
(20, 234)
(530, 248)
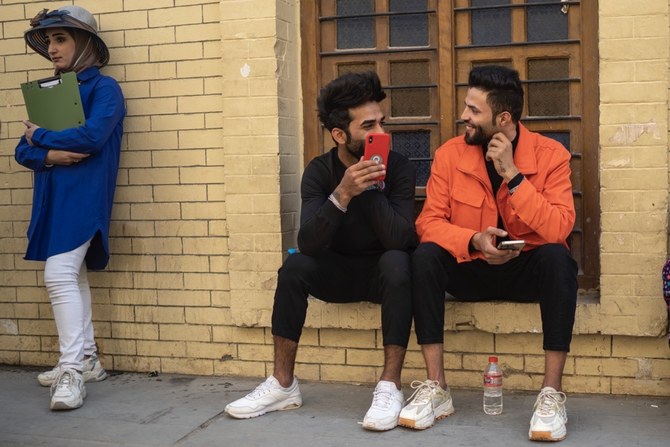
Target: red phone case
(377, 147)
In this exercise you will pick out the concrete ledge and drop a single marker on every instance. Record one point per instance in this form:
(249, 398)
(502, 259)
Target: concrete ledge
(499, 317)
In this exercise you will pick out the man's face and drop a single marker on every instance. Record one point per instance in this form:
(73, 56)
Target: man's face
(365, 119)
(479, 121)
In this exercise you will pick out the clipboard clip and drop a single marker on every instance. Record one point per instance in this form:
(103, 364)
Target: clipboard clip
(50, 82)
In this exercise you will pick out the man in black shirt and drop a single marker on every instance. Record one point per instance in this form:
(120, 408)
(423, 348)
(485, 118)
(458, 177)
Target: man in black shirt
(354, 238)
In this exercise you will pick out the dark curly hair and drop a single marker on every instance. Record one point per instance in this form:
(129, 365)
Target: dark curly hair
(503, 87)
(345, 92)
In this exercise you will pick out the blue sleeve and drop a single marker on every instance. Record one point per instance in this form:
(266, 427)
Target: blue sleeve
(106, 111)
(31, 157)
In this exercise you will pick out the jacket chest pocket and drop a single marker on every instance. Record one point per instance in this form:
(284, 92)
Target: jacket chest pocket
(467, 207)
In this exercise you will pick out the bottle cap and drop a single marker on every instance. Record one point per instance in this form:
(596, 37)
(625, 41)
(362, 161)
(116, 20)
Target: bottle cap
(493, 359)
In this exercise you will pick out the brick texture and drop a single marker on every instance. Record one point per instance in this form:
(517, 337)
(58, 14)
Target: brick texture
(207, 204)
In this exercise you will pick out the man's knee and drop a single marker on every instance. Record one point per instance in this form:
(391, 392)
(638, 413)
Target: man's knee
(295, 267)
(556, 258)
(395, 267)
(427, 257)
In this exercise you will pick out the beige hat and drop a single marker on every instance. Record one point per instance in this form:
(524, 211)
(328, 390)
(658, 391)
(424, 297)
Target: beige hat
(64, 17)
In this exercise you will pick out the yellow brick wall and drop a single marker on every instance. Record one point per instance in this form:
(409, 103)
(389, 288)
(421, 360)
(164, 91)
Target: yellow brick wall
(208, 199)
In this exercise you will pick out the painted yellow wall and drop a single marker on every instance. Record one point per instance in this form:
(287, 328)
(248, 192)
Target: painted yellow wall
(207, 202)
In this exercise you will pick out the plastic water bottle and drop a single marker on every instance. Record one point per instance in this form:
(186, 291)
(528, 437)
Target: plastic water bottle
(493, 387)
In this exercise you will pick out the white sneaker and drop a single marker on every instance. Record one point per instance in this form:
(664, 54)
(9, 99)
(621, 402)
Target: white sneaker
(68, 391)
(428, 403)
(549, 416)
(92, 371)
(387, 402)
(268, 396)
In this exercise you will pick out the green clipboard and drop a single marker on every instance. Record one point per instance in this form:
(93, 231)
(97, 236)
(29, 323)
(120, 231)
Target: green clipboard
(54, 103)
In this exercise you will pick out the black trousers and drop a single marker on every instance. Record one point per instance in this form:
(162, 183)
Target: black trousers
(335, 278)
(547, 273)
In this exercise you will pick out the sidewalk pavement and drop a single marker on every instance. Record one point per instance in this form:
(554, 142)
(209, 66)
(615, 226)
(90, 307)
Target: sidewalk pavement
(131, 409)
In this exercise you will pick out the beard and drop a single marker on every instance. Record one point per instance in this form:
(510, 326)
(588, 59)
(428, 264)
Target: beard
(355, 147)
(479, 137)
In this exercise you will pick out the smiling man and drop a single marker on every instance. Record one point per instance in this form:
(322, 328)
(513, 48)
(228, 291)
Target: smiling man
(355, 234)
(497, 182)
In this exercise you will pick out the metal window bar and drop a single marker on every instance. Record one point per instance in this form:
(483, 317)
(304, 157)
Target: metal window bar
(375, 51)
(517, 44)
(416, 122)
(517, 5)
(532, 81)
(408, 86)
(539, 118)
(375, 14)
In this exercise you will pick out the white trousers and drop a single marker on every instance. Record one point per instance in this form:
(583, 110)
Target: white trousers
(65, 277)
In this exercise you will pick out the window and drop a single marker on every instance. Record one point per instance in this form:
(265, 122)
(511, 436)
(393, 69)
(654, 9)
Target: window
(423, 51)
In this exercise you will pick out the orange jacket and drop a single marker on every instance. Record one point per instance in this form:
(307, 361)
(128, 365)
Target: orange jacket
(460, 200)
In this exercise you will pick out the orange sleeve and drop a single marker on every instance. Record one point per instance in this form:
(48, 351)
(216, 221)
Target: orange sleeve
(434, 222)
(549, 213)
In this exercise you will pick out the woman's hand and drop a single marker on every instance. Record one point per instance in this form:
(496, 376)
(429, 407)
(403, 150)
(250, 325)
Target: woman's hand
(63, 158)
(30, 130)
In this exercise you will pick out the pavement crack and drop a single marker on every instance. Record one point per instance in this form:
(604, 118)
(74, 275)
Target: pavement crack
(200, 427)
(153, 416)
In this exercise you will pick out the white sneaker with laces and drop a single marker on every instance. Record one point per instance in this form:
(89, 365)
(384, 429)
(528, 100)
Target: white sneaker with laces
(387, 402)
(428, 403)
(68, 391)
(268, 396)
(92, 371)
(549, 416)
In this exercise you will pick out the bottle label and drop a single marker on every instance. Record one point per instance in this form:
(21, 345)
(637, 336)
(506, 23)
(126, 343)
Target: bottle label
(493, 381)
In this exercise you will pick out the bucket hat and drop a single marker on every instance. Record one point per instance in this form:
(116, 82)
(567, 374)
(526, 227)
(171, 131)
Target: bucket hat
(64, 17)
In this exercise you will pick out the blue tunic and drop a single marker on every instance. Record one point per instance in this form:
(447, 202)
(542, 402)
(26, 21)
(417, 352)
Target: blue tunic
(72, 204)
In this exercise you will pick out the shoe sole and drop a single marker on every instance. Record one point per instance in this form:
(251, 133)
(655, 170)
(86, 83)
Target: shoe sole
(60, 405)
(290, 406)
(411, 423)
(544, 436)
(376, 426)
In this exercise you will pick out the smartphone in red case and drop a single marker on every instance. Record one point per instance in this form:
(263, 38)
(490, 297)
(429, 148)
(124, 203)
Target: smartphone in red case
(377, 146)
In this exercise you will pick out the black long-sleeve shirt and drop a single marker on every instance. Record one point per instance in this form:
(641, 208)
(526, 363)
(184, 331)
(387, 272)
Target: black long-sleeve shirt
(375, 221)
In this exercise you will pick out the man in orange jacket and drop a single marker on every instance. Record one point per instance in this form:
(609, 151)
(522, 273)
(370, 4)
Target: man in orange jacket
(497, 182)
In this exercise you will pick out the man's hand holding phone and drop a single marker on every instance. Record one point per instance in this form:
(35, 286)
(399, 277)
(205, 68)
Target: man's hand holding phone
(358, 178)
(485, 243)
(369, 170)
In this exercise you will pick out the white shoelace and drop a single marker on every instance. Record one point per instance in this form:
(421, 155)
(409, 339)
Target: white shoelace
(260, 390)
(549, 402)
(64, 380)
(424, 391)
(382, 399)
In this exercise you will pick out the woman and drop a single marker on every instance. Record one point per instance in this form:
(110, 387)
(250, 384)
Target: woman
(74, 180)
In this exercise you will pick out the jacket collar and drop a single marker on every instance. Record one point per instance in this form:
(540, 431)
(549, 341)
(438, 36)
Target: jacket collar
(524, 157)
(87, 74)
